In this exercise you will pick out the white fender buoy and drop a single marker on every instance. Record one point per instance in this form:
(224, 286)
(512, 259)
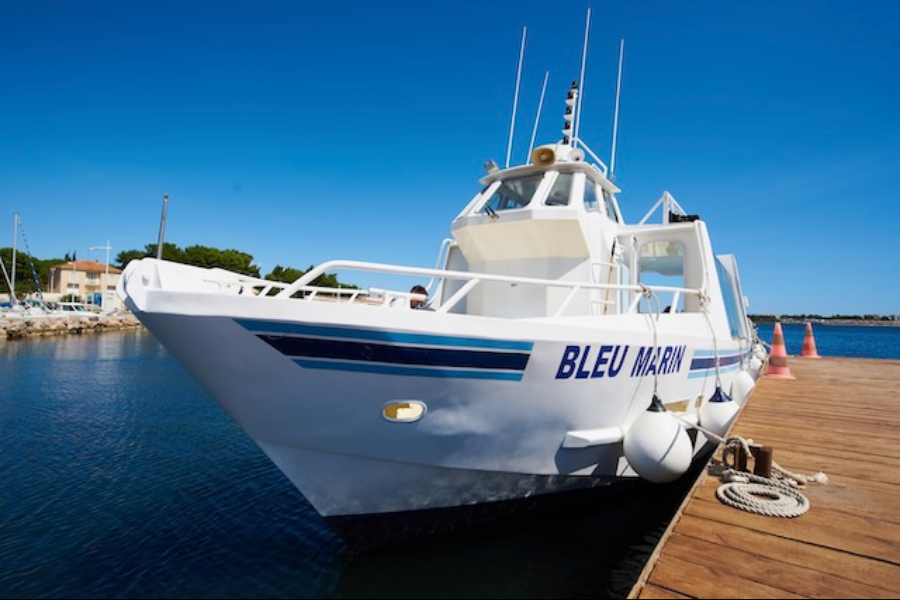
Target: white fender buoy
(656, 446)
(754, 367)
(760, 352)
(741, 386)
(718, 413)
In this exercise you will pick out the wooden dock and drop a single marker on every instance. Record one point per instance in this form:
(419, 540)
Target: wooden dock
(841, 416)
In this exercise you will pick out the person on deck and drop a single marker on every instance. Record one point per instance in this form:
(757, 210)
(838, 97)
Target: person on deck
(416, 302)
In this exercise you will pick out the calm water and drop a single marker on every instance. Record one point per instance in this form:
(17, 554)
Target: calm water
(840, 340)
(122, 478)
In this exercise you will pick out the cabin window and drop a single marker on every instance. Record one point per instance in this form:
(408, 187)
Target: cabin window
(661, 263)
(561, 191)
(590, 196)
(610, 206)
(512, 194)
(730, 299)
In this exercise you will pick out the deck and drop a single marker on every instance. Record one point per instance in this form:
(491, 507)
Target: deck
(841, 416)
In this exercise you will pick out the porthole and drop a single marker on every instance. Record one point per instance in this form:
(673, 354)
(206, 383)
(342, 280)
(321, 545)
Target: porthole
(404, 411)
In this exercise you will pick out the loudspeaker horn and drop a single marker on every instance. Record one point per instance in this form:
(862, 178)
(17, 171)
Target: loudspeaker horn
(543, 156)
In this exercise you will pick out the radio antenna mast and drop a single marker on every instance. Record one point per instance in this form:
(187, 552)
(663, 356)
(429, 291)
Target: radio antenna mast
(587, 26)
(537, 117)
(612, 158)
(512, 124)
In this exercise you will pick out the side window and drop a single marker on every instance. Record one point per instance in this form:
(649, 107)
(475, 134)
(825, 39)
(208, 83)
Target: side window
(610, 206)
(590, 196)
(662, 263)
(730, 297)
(512, 194)
(562, 189)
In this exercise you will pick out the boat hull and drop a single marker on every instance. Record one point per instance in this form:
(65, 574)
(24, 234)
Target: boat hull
(491, 434)
(622, 499)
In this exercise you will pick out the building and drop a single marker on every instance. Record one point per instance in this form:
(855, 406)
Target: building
(90, 282)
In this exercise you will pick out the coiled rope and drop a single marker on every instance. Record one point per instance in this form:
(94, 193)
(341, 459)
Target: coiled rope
(761, 495)
(775, 496)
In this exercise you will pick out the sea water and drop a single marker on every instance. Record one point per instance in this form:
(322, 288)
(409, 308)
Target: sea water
(121, 478)
(855, 341)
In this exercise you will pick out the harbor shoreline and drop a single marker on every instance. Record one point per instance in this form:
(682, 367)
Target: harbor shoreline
(26, 327)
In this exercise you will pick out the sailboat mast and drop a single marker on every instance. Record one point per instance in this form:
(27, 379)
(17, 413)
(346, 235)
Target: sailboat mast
(12, 285)
(162, 228)
(12, 296)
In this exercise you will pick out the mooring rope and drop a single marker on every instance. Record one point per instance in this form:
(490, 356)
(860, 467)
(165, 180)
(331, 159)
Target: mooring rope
(761, 495)
(775, 496)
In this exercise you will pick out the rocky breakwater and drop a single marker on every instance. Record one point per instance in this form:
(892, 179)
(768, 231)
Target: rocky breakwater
(15, 327)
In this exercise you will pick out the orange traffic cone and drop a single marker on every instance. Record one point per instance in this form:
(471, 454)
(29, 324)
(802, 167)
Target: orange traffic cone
(809, 344)
(777, 367)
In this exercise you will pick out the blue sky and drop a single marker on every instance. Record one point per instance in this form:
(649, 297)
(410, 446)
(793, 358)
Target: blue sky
(300, 132)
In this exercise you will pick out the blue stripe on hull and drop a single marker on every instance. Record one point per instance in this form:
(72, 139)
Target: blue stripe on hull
(406, 354)
(367, 367)
(710, 363)
(710, 372)
(324, 331)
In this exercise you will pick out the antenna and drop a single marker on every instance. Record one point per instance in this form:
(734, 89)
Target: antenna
(612, 158)
(587, 26)
(512, 125)
(537, 117)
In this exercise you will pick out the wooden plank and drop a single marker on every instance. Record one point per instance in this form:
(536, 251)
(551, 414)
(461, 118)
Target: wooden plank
(827, 560)
(838, 417)
(835, 464)
(707, 580)
(790, 578)
(872, 410)
(651, 592)
(860, 492)
(842, 426)
(823, 526)
(821, 440)
(871, 500)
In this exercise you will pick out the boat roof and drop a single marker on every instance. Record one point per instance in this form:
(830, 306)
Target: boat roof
(563, 166)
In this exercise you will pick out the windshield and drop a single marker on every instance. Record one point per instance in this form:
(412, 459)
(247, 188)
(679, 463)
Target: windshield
(512, 193)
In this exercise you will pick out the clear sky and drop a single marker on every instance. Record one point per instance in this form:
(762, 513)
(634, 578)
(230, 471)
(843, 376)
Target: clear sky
(305, 131)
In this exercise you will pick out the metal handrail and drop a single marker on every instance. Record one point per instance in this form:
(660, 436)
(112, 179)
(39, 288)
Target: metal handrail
(472, 280)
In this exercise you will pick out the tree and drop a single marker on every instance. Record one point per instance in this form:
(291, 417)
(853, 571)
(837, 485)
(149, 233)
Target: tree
(285, 274)
(170, 252)
(125, 257)
(290, 274)
(25, 277)
(230, 259)
(198, 256)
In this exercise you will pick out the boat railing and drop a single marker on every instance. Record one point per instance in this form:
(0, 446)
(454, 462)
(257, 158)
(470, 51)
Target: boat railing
(600, 166)
(244, 285)
(253, 286)
(303, 289)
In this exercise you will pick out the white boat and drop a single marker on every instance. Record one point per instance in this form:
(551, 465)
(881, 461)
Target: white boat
(563, 349)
